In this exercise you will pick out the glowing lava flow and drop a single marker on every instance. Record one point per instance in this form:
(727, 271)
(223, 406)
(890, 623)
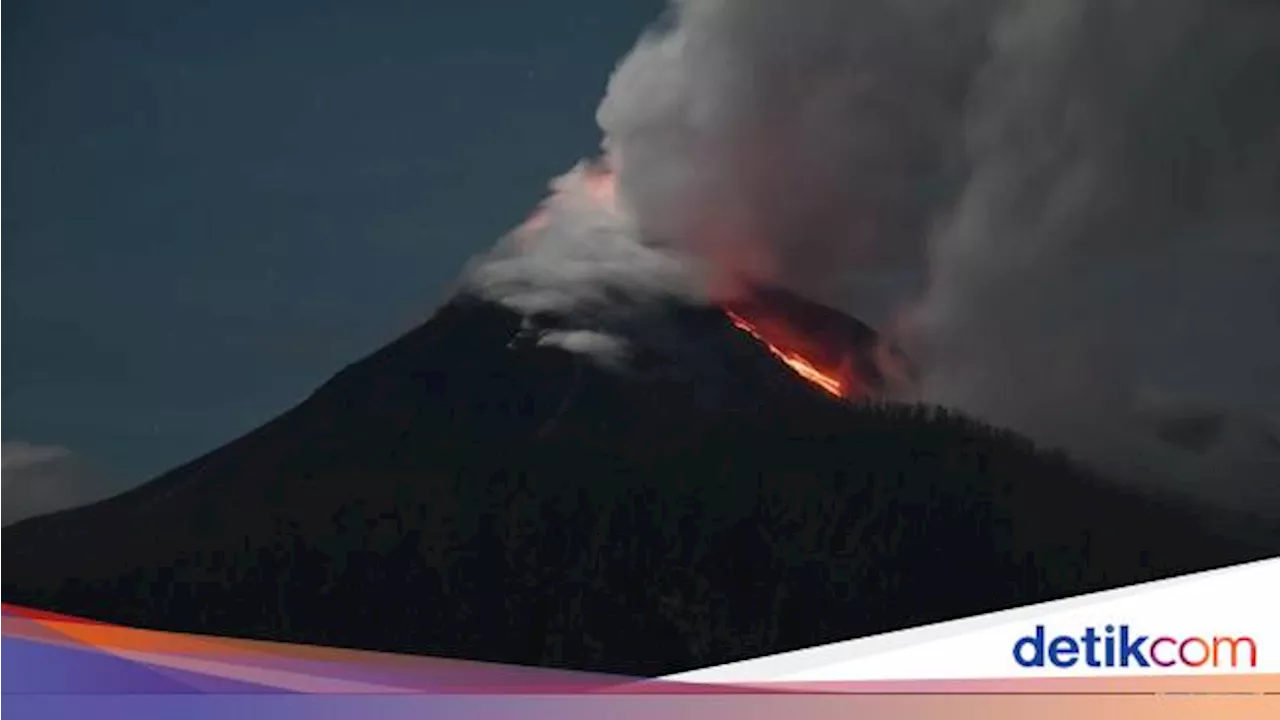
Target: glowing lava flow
(793, 360)
(600, 181)
(602, 184)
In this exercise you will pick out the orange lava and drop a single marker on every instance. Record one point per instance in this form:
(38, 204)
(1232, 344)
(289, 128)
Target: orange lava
(601, 184)
(797, 362)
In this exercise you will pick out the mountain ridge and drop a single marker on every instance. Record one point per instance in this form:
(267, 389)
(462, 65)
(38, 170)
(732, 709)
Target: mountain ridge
(465, 492)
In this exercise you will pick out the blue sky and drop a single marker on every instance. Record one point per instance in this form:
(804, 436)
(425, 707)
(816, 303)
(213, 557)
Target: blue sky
(211, 207)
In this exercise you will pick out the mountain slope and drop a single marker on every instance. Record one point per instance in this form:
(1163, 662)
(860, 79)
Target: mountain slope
(468, 492)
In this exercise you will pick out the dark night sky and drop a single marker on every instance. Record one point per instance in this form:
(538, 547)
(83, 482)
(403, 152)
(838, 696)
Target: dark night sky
(211, 207)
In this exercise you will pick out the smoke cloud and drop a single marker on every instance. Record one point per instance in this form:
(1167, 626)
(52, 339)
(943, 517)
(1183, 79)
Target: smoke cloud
(580, 259)
(1067, 210)
(1112, 265)
(802, 143)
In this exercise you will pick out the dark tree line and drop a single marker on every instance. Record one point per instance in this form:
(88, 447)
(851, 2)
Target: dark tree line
(703, 543)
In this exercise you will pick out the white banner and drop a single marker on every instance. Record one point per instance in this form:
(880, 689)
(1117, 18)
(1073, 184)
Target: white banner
(1216, 622)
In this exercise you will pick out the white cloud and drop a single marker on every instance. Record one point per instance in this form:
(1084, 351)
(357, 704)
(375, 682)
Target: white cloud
(39, 479)
(602, 346)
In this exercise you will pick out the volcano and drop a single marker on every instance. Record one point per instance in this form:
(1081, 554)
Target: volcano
(469, 491)
(834, 351)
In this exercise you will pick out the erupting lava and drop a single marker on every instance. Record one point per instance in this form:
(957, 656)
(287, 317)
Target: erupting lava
(822, 346)
(791, 359)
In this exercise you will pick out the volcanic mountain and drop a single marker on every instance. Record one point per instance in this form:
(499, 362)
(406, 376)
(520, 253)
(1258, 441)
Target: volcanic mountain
(471, 491)
(833, 351)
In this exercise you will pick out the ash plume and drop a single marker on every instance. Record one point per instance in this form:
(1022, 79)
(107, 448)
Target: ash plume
(580, 259)
(1112, 264)
(805, 143)
(1068, 211)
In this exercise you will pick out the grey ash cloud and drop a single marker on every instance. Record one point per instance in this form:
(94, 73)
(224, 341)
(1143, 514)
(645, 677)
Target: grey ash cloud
(1064, 208)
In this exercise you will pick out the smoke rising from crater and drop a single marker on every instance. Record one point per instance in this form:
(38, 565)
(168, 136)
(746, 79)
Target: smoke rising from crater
(1068, 210)
(580, 257)
(808, 143)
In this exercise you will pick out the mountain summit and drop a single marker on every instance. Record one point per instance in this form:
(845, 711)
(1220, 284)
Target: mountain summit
(473, 491)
